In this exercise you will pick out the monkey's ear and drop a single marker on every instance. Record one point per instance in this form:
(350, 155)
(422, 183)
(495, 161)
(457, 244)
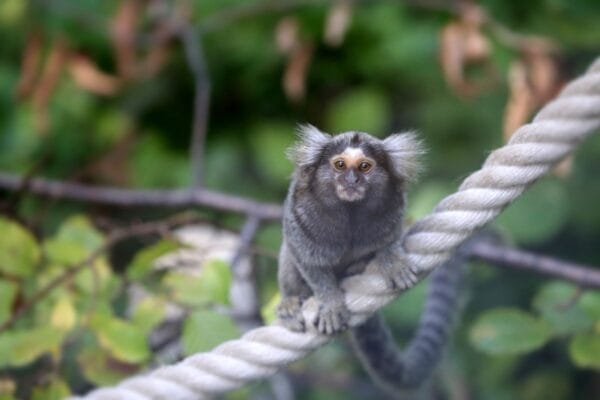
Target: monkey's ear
(405, 151)
(308, 148)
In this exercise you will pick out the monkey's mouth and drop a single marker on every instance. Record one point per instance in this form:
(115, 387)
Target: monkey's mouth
(350, 193)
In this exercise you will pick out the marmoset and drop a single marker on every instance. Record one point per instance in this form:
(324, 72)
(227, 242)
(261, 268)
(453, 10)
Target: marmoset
(344, 207)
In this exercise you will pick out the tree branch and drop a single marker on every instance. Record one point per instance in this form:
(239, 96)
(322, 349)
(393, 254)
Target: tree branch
(111, 196)
(583, 275)
(194, 53)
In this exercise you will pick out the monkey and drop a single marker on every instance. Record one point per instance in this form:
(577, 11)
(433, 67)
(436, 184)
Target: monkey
(344, 209)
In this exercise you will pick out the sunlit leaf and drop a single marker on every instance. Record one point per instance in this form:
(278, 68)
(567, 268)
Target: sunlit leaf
(509, 331)
(101, 369)
(269, 310)
(75, 240)
(585, 350)
(124, 340)
(149, 313)
(212, 286)
(63, 316)
(203, 330)
(143, 262)
(23, 347)
(97, 279)
(19, 252)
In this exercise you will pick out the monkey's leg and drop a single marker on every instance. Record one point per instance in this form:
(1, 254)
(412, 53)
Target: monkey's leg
(332, 315)
(294, 291)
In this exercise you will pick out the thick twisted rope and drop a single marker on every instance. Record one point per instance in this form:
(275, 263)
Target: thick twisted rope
(533, 150)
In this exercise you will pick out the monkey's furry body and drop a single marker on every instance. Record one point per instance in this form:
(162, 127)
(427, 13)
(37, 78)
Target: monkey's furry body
(344, 207)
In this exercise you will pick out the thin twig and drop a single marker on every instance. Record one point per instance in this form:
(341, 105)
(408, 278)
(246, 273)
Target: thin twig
(113, 238)
(111, 196)
(583, 275)
(244, 294)
(194, 53)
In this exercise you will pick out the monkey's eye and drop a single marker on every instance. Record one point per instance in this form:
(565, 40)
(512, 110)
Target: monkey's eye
(365, 166)
(340, 165)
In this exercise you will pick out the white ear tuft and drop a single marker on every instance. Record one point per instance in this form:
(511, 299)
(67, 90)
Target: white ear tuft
(309, 146)
(405, 151)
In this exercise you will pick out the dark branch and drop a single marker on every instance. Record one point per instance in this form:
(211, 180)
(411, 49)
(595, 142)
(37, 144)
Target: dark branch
(583, 275)
(244, 294)
(176, 198)
(194, 53)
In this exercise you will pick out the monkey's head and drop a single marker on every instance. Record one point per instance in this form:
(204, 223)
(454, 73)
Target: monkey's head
(355, 166)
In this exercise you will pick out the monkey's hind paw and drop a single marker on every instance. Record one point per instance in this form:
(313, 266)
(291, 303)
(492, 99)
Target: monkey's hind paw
(404, 278)
(331, 318)
(290, 315)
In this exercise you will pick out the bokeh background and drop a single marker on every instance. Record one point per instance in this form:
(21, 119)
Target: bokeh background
(164, 94)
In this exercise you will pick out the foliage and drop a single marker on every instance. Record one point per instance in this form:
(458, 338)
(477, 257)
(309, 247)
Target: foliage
(80, 102)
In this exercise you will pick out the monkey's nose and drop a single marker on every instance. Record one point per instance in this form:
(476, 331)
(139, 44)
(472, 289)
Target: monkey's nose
(351, 177)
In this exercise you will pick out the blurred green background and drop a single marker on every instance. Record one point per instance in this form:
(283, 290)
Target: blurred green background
(101, 93)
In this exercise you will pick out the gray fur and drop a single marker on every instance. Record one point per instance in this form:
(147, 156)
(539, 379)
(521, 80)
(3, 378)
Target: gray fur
(325, 235)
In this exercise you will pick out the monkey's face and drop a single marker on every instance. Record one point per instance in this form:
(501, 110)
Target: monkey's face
(351, 171)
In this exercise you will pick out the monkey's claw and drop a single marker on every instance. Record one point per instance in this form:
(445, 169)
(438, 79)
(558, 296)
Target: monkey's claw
(403, 277)
(290, 315)
(331, 318)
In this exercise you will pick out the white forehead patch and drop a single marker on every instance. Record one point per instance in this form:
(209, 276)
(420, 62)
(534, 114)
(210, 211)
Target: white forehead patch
(353, 152)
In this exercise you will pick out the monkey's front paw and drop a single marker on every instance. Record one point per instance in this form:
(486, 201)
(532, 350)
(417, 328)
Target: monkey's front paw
(289, 313)
(403, 277)
(331, 318)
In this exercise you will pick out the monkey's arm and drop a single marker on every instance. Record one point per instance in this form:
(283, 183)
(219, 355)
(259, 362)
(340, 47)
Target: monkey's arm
(298, 280)
(332, 315)
(394, 370)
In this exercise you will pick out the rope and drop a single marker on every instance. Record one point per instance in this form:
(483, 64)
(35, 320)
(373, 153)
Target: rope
(533, 150)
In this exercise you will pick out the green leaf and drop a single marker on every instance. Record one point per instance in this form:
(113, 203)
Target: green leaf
(8, 290)
(23, 347)
(102, 370)
(143, 262)
(509, 331)
(585, 350)
(97, 279)
(19, 252)
(590, 303)
(205, 329)
(149, 313)
(556, 303)
(122, 339)
(212, 286)
(269, 310)
(56, 390)
(63, 316)
(539, 214)
(75, 240)
(363, 109)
